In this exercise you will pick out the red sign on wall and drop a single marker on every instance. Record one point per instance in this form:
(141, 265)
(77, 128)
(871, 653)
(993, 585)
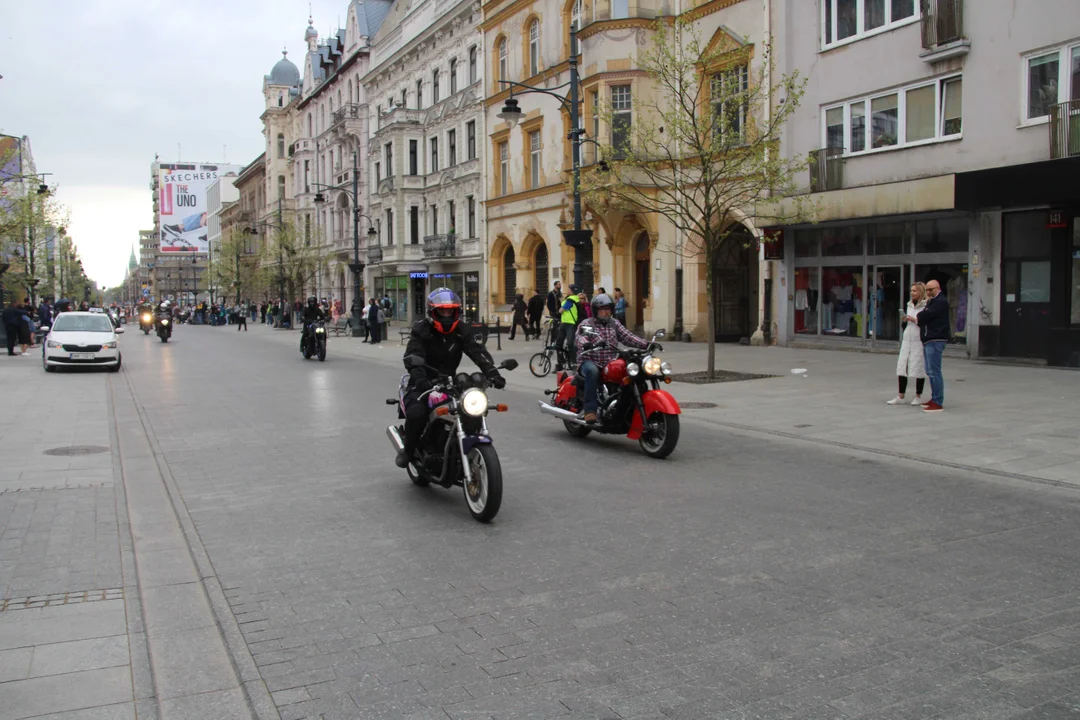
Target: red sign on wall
(774, 243)
(1056, 219)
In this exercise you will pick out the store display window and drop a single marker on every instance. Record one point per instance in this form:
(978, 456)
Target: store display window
(953, 279)
(807, 300)
(842, 301)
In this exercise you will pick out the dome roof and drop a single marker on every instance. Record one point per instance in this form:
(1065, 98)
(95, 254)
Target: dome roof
(285, 72)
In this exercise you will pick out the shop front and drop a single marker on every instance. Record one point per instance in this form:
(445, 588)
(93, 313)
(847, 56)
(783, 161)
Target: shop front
(408, 293)
(850, 281)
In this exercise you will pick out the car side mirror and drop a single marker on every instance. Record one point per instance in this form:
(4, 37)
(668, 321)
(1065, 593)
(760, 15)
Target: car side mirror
(510, 364)
(45, 328)
(119, 331)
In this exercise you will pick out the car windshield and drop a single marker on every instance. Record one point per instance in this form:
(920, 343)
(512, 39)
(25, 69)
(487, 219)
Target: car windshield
(82, 323)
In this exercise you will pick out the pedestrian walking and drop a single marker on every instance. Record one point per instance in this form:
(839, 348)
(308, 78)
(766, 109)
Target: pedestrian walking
(16, 328)
(536, 313)
(933, 323)
(620, 306)
(375, 320)
(554, 301)
(519, 309)
(44, 312)
(912, 360)
(241, 317)
(262, 312)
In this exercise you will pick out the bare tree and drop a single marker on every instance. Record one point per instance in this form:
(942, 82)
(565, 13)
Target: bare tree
(702, 149)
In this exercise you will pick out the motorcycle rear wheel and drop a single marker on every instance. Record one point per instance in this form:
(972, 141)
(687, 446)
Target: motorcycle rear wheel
(484, 494)
(575, 430)
(665, 437)
(146, 331)
(307, 351)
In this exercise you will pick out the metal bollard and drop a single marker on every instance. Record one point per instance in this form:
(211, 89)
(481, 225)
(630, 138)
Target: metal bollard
(498, 333)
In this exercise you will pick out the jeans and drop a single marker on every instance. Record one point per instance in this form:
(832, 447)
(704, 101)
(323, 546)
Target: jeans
(565, 340)
(933, 351)
(591, 372)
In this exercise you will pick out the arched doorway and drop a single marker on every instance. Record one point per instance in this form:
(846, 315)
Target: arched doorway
(731, 286)
(642, 287)
(509, 276)
(540, 268)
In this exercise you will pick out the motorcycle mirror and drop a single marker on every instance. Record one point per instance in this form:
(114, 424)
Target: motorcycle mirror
(660, 333)
(587, 330)
(414, 361)
(509, 364)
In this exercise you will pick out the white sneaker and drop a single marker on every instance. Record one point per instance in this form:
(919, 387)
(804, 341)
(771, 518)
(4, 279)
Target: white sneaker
(896, 401)
(918, 400)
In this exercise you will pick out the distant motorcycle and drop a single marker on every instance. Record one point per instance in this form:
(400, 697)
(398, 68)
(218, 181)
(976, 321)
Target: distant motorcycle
(455, 448)
(631, 400)
(164, 328)
(146, 322)
(315, 344)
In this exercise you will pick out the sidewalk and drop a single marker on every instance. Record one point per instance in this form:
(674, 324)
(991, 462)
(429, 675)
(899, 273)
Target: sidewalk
(1015, 421)
(105, 613)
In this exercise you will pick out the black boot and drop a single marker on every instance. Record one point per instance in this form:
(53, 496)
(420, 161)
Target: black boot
(402, 459)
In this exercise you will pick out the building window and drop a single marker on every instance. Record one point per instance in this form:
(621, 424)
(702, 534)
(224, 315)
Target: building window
(453, 75)
(1050, 78)
(730, 101)
(281, 187)
(389, 148)
(413, 159)
(575, 25)
(621, 121)
(540, 263)
(307, 175)
(389, 227)
(470, 140)
(435, 86)
(534, 47)
(451, 211)
(419, 94)
(849, 20)
(307, 229)
(470, 202)
(596, 114)
(472, 64)
(404, 98)
(504, 169)
(414, 224)
(534, 159)
(451, 147)
(378, 171)
(509, 276)
(434, 154)
(915, 115)
(280, 145)
(434, 219)
(504, 70)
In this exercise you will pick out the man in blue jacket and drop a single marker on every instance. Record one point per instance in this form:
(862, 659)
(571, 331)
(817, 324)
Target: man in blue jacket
(933, 325)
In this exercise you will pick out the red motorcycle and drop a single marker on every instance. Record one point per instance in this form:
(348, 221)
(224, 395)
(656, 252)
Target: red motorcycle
(631, 400)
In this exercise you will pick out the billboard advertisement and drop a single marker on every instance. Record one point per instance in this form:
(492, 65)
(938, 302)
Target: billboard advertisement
(182, 205)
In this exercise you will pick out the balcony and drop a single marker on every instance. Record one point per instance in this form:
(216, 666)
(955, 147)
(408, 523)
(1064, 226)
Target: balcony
(1065, 130)
(400, 115)
(943, 30)
(826, 169)
(440, 246)
(352, 111)
(620, 9)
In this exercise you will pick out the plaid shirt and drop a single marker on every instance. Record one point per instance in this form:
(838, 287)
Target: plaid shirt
(614, 332)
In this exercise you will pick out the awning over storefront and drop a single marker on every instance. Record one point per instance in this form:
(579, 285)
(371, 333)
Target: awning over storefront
(1040, 183)
(908, 197)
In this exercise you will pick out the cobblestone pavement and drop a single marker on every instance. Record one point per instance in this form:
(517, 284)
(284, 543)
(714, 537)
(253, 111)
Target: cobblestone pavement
(745, 577)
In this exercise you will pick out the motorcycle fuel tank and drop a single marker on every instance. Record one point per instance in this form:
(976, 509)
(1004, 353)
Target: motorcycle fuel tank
(615, 371)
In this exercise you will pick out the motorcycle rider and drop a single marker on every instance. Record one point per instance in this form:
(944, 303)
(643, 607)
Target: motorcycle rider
(312, 314)
(440, 338)
(594, 354)
(163, 311)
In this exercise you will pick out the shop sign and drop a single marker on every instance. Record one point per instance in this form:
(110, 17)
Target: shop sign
(472, 278)
(1056, 219)
(418, 276)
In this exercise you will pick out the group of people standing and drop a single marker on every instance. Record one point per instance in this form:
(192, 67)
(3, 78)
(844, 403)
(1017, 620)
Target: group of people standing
(926, 332)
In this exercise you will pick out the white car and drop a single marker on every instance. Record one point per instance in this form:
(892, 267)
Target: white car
(82, 338)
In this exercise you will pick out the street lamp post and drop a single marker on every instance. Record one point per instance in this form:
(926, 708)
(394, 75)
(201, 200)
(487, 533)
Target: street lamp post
(355, 266)
(579, 239)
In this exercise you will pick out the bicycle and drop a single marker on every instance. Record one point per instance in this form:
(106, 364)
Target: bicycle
(540, 363)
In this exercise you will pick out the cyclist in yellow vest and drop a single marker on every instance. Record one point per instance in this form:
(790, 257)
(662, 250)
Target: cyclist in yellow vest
(571, 316)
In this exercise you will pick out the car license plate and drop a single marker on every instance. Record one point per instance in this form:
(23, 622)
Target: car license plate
(82, 356)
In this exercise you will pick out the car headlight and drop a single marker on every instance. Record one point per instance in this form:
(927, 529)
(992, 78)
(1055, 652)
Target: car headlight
(110, 344)
(53, 344)
(665, 367)
(651, 365)
(474, 402)
(633, 369)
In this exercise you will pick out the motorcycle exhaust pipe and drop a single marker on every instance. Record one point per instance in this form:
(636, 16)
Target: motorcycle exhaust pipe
(395, 438)
(566, 415)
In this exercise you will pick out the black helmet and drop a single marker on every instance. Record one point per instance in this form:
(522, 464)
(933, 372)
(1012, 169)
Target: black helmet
(312, 301)
(575, 289)
(444, 309)
(599, 302)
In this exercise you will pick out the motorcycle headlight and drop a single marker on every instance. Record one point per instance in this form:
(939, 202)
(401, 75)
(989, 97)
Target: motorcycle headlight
(651, 365)
(110, 344)
(633, 369)
(665, 367)
(146, 318)
(320, 330)
(164, 322)
(474, 402)
(53, 344)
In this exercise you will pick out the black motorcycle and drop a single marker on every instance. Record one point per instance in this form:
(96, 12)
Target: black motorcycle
(455, 448)
(164, 327)
(315, 342)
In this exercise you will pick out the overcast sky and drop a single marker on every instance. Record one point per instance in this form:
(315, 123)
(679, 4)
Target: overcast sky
(99, 86)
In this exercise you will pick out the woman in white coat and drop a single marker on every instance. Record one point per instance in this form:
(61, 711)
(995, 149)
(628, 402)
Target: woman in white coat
(911, 363)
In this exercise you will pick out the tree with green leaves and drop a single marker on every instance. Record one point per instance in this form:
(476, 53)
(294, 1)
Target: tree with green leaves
(31, 231)
(290, 255)
(702, 151)
(234, 267)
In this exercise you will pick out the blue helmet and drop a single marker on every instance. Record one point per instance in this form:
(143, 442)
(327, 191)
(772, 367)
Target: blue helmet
(444, 309)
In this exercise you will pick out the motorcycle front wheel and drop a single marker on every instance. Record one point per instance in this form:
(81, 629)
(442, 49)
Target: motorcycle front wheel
(483, 494)
(146, 331)
(659, 438)
(322, 351)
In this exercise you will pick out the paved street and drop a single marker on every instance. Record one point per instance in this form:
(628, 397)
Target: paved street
(752, 575)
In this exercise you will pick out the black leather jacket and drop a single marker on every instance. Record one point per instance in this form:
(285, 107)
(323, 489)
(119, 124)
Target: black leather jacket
(311, 314)
(444, 351)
